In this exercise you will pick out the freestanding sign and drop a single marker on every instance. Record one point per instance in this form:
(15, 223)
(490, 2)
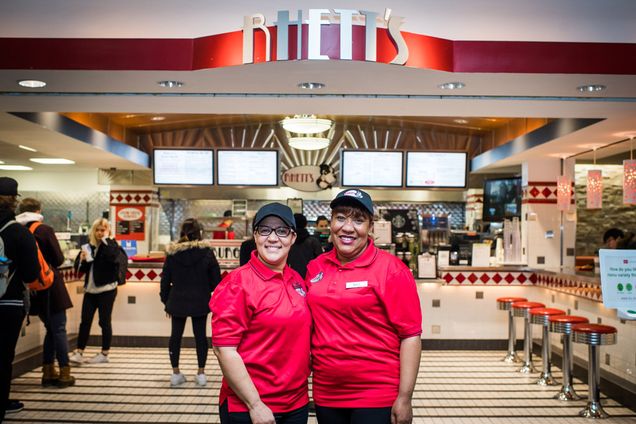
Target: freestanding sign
(618, 278)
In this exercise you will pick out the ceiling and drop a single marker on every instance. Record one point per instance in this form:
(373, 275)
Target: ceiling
(357, 94)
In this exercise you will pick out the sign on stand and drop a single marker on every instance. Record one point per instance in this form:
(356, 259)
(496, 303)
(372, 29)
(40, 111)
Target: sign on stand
(618, 280)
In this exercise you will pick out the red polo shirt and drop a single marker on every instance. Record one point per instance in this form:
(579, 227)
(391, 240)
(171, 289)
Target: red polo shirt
(264, 314)
(361, 311)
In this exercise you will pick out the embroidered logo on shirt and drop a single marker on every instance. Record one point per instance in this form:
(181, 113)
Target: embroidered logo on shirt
(316, 278)
(299, 289)
(356, 284)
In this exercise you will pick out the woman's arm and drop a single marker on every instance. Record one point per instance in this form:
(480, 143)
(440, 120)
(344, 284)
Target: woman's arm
(410, 352)
(239, 380)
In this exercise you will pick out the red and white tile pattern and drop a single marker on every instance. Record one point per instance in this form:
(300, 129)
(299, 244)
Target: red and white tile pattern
(586, 287)
(541, 192)
(137, 197)
(490, 278)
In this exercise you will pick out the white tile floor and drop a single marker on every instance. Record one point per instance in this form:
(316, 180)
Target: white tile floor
(453, 387)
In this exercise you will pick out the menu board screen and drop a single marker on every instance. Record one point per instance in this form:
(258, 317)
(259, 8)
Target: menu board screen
(247, 167)
(181, 166)
(371, 168)
(436, 169)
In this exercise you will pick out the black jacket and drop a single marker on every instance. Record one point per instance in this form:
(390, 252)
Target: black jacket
(190, 274)
(19, 246)
(56, 298)
(304, 249)
(104, 263)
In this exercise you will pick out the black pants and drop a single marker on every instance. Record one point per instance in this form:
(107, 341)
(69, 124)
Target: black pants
(297, 416)
(326, 415)
(11, 318)
(198, 328)
(103, 303)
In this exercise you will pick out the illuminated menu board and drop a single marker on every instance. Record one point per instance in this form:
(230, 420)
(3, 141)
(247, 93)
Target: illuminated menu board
(181, 166)
(247, 167)
(436, 169)
(369, 168)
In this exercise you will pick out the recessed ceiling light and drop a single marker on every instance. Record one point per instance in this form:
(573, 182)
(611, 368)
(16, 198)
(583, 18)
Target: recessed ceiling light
(460, 121)
(311, 85)
(30, 149)
(157, 118)
(171, 84)
(15, 168)
(32, 83)
(130, 115)
(591, 88)
(52, 161)
(452, 85)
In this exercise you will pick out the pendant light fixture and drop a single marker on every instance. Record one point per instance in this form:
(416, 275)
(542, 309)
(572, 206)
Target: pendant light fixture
(307, 131)
(629, 176)
(594, 187)
(564, 193)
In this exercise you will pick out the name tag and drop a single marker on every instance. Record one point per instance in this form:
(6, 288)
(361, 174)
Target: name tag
(356, 284)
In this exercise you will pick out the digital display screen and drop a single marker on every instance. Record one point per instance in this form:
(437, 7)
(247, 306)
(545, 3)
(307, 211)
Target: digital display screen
(436, 169)
(502, 199)
(247, 167)
(181, 166)
(371, 168)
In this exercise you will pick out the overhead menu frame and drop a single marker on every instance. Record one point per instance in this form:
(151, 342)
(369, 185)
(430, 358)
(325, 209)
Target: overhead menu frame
(247, 168)
(436, 169)
(183, 166)
(372, 168)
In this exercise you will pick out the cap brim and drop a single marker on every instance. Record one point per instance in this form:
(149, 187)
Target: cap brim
(349, 201)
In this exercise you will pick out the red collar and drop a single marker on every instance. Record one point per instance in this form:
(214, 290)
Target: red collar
(365, 259)
(266, 273)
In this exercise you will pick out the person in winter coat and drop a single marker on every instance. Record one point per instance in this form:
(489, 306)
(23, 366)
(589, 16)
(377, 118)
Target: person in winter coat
(190, 274)
(19, 265)
(98, 262)
(49, 305)
(304, 249)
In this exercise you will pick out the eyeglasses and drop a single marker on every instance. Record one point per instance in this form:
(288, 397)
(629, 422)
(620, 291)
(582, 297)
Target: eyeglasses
(279, 231)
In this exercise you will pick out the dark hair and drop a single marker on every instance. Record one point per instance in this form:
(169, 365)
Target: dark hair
(321, 218)
(191, 230)
(301, 221)
(29, 204)
(8, 202)
(227, 213)
(614, 233)
(353, 212)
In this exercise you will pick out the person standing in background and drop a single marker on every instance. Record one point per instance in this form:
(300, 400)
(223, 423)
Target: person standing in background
(190, 274)
(304, 249)
(612, 237)
(367, 322)
(98, 262)
(261, 328)
(19, 266)
(323, 232)
(49, 305)
(227, 225)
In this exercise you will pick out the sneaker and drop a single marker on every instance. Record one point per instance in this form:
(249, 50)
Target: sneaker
(14, 406)
(100, 358)
(201, 379)
(76, 358)
(177, 379)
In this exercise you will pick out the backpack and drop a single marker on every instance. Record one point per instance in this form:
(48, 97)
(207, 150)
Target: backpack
(46, 277)
(122, 263)
(5, 277)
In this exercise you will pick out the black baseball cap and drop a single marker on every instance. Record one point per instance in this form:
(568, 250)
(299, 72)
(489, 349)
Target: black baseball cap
(353, 197)
(8, 187)
(275, 209)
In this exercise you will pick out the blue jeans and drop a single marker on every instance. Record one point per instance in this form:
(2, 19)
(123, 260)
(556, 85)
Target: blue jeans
(55, 340)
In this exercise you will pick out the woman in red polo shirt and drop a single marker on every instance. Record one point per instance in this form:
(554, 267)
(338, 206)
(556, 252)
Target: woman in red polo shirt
(367, 323)
(260, 330)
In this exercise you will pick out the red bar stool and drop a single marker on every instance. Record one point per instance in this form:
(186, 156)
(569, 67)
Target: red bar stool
(505, 304)
(594, 335)
(541, 316)
(522, 309)
(563, 324)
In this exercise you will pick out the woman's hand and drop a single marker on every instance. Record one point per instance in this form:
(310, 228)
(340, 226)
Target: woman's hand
(82, 256)
(261, 414)
(402, 411)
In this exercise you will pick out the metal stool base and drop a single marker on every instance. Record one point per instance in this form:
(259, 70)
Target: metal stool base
(511, 358)
(567, 394)
(593, 410)
(546, 379)
(527, 369)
